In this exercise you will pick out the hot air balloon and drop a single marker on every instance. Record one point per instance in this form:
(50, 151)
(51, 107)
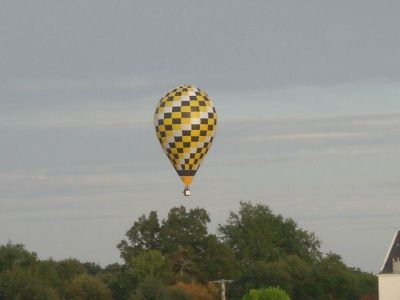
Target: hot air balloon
(185, 122)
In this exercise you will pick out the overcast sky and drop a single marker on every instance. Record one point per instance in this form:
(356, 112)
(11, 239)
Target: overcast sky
(307, 95)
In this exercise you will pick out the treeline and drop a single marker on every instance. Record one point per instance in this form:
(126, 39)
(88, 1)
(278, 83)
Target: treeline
(176, 258)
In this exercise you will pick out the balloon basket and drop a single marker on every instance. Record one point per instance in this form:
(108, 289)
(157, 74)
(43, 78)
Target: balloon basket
(186, 191)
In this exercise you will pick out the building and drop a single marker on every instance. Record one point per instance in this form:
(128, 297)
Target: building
(389, 276)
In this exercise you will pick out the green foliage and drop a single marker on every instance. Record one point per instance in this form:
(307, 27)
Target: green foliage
(151, 289)
(272, 293)
(337, 281)
(256, 233)
(177, 293)
(87, 287)
(174, 258)
(20, 284)
(152, 264)
(15, 255)
(143, 235)
(184, 229)
(183, 239)
(70, 268)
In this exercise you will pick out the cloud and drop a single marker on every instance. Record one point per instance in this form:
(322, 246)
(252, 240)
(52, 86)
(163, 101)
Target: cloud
(264, 140)
(305, 136)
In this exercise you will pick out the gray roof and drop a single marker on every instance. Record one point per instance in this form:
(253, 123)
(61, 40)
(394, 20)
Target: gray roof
(394, 252)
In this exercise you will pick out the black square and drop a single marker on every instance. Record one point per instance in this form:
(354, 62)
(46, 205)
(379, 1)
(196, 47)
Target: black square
(176, 109)
(168, 127)
(194, 108)
(176, 121)
(185, 103)
(186, 115)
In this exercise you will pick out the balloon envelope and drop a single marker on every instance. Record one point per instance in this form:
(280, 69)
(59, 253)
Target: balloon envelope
(185, 122)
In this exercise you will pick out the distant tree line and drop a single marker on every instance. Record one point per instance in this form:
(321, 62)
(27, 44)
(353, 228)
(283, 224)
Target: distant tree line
(176, 258)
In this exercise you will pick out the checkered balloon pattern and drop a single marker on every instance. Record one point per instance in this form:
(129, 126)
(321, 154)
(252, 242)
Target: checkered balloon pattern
(185, 121)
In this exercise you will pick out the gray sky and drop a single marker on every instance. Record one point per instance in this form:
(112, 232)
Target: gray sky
(307, 95)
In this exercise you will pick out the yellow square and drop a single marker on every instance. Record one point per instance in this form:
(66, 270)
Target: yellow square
(176, 127)
(186, 150)
(185, 108)
(169, 133)
(176, 115)
(203, 127)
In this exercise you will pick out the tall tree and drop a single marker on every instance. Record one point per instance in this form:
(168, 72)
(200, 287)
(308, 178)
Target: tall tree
(143, 235)
(256, 233)
(184, 229)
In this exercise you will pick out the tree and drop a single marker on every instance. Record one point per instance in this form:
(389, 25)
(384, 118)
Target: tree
(20, 284)
(87, 287)
(195, 291)
(268, 249)
(217, 261)
(337, 281)
(256, 233)
(13, 255)
(150, 264)
(143, 235)
(151, 289)
(184, 229)
(271, 293)
(70, 268)
(183, 239)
